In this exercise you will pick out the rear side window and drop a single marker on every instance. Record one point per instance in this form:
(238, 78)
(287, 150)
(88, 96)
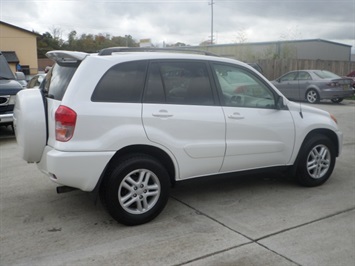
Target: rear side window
(179, 83)
(121, 83)
(58, 79)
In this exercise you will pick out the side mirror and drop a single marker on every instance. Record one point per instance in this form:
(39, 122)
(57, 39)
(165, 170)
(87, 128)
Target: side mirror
(280, 103)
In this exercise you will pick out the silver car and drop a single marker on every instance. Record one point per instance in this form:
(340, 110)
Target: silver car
(35, 81)
(314, 85)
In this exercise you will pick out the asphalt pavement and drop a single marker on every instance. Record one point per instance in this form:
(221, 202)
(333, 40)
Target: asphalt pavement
(263, 219)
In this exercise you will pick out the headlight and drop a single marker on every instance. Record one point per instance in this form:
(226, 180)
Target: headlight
(12, 99)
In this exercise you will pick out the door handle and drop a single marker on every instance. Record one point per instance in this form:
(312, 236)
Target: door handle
(162, 114)
(236, 116)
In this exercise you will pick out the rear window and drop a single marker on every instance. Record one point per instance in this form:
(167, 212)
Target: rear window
(122, 83)
(58, 79)
(323, 74)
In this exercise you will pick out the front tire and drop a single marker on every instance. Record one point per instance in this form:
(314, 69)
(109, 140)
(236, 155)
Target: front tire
(317, 161)
(137, 190)
(312, 96)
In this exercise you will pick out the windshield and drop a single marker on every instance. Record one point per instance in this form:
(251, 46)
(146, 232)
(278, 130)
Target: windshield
(323, 74)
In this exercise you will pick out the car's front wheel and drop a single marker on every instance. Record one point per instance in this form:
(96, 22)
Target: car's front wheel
(136, 190)
(317, 160)
(312, 96)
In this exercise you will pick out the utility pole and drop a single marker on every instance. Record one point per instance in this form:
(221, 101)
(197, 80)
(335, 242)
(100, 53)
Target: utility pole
(211, 4)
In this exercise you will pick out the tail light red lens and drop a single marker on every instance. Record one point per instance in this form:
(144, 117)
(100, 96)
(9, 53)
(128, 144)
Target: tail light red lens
(65, 120)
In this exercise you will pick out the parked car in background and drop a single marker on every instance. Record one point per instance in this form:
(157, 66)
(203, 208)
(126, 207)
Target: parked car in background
(35, 81)
(257, 67)
(314, 85)
(21, 78)
(9, 87)
(352, 75)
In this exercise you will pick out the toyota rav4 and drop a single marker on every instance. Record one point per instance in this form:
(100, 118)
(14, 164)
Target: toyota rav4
(126, 125)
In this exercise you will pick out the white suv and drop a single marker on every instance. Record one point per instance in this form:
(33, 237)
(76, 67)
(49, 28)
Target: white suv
(126, 125)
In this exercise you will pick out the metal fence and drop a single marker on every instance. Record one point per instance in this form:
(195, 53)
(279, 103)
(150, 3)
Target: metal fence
(274, 68)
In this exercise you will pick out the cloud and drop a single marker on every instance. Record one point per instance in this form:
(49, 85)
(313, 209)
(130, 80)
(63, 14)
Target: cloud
(189, 21)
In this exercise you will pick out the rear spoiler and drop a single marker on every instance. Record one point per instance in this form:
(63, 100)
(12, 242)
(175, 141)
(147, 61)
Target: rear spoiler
(62, 56)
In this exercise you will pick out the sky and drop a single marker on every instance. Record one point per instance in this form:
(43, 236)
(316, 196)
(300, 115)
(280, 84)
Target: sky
(189, 21)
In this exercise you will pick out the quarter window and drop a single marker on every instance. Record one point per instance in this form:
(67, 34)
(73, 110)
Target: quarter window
(121, 83)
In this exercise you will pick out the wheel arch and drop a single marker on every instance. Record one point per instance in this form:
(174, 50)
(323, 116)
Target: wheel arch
(152, 151)
(319, 131)
(314, 88)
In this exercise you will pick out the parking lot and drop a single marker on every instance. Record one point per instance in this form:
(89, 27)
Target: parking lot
(251, 220)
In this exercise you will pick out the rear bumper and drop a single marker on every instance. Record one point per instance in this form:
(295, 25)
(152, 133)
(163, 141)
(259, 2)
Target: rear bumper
(80, 170)
(331, 94)
(6, 118)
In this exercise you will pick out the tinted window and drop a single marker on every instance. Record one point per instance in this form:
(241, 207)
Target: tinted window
(155, 92)
(179, 83)
(58, 79)
(241, 88)
(121, 83)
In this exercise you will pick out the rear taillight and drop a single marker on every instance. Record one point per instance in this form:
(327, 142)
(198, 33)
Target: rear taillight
(65, 119)
(333, 84)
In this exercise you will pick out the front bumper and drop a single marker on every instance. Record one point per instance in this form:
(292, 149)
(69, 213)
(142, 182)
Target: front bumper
(6, 118)
(80, 170)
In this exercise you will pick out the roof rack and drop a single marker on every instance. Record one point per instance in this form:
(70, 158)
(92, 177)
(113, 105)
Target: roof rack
(109, 51)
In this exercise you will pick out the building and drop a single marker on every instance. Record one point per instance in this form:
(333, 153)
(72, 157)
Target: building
(314, 49)
(19, 46)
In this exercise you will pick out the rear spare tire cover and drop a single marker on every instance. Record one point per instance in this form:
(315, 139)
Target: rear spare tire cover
(30, 124)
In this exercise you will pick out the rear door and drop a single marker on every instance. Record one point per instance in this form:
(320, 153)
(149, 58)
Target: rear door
(180, 113)
(56, 83)
(257, 134)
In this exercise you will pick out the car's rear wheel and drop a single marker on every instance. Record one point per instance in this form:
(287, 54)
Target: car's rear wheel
(312, 96)
(337, 100)
(317, 160)
(136, 190)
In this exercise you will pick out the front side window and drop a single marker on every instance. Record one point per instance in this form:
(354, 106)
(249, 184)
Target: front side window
(121, 83)
(179, 83)
(288, 77)
(241, 88)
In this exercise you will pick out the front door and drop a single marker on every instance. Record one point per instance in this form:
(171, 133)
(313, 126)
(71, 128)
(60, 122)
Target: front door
(258, 134)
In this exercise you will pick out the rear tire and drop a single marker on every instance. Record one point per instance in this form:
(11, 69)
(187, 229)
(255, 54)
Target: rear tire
(137, 190)
(312, 96)
(337, 100)
(317, 160)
